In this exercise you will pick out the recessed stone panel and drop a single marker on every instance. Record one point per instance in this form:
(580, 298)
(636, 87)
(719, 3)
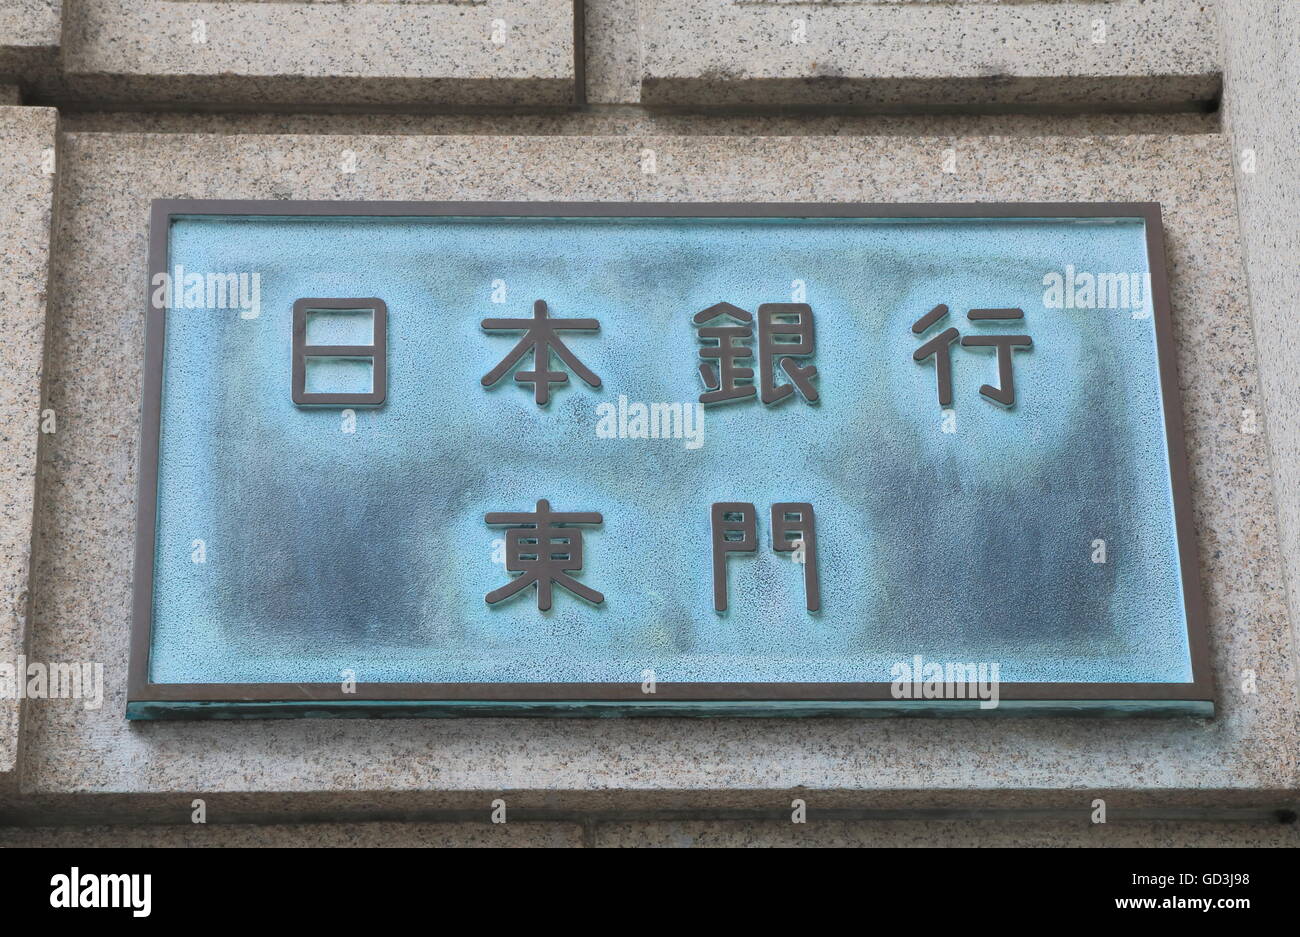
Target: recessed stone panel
(435, 54)
(875, 56)
(27, 175)
(84, 599)
(29, 38)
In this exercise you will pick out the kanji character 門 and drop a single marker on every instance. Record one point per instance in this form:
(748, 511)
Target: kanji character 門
(794, 530)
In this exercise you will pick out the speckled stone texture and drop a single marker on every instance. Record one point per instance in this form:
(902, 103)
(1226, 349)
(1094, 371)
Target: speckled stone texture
(27, 143)
(315, 836)
(637, 122)
(613, 52)
(671, 834)
(1013, 834)
(414, 55)
(1248, 753)
(1128, 53)
(29, 37)
(1261, 41)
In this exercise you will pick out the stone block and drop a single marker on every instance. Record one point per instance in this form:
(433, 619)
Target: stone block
(233, 54)
(1262, 58)
(27, 187)
(29, 38)
(1248, 753)
(1060, 54)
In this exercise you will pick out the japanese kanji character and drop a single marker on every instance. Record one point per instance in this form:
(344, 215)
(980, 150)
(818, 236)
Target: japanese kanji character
(785, 321)
(938, 347)
(541, 339)
(726, 386)
(1004, 394)
(735, 530)
(794, 530)
(544, 549)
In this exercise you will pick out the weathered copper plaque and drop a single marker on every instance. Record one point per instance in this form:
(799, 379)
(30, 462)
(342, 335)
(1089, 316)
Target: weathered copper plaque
(587, 459)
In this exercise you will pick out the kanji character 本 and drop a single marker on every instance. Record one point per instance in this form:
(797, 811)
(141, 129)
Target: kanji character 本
(541, 339)
(777, 324)
(728, 382)
(544, 548)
